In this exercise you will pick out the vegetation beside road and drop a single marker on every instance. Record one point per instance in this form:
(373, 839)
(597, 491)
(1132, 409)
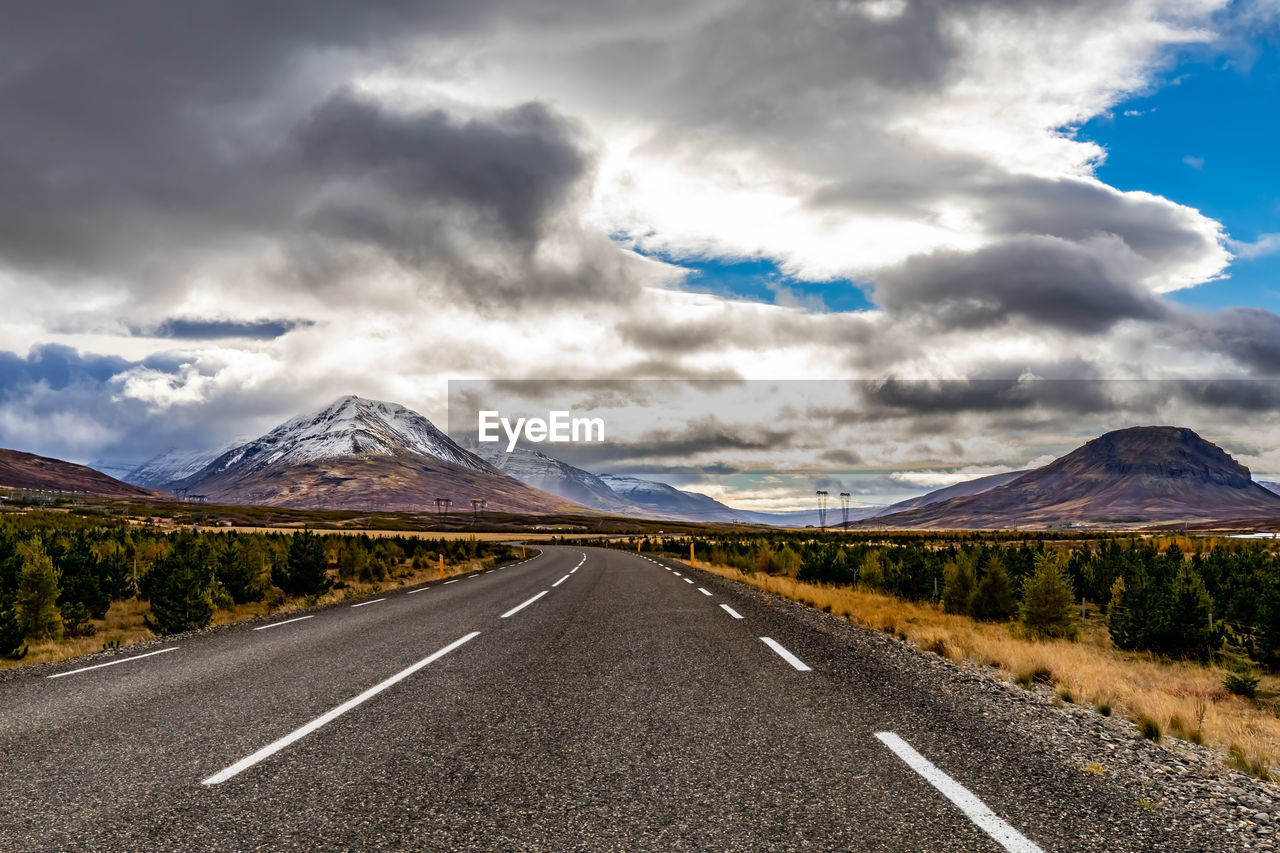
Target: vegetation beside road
(1181, 635)
(71, 585)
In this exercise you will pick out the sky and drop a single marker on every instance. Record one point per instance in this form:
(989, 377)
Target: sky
(215, 217)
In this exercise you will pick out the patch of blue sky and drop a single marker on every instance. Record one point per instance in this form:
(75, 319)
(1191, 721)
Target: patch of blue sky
(1206, 136)
(761, 279)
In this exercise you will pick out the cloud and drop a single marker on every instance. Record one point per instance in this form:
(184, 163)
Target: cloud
(186, 328)
(376, 196)
(1266, 244)
(1193, 162)
(1046, 281)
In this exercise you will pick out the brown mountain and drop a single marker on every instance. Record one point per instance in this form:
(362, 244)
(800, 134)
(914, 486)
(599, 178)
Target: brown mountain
(362, 454)
(1137, 475)
(20, 470)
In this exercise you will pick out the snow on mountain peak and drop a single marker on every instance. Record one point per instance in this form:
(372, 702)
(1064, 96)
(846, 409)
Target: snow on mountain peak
(349, 426)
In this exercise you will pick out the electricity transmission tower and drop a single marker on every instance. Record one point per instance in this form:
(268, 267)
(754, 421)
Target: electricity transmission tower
(442, 506)
(844, 508)
(477, 507)
(822, 509)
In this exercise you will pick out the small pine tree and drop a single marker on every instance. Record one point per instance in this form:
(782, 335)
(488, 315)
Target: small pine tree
(1192, 635)
(179, 587)
(959, 584)
(305, 571)
(993, 600)
(872, 570)
(237, 574)
(37, 600)
(1119, 618)
(1048, 599)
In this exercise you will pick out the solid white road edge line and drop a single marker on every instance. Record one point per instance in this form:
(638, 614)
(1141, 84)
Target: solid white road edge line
(562, 580)
(727, 609)
(297, 734)
(974, 809)
(112, 663)
(513, 611)
(785, 655)
(363, 603)
(285, 622)
(703, 591)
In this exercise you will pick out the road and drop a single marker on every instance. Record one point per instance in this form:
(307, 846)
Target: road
(581, 700)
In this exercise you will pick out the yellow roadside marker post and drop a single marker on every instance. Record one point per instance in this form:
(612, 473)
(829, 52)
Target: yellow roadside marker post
(691, 553)
(442, 567)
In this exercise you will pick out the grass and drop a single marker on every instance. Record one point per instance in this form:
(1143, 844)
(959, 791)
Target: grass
(123, 625)
(1090, 672)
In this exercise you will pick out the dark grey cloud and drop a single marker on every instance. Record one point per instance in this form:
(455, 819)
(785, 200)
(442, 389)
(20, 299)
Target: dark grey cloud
(1250, 336)
(1042, 281)
(57, 368)
(195, 329)
(144, 139)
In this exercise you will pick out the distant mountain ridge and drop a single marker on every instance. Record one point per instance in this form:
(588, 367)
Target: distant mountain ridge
(20, 470)
(966, 487)
(1135, 475)
(537, 469)
(165, 469)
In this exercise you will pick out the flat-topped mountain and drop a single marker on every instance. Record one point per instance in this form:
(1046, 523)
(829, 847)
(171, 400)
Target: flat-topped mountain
(1136, 475)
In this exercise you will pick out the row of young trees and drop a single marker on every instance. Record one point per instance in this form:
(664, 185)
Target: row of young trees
(59, 574)
(1159, 599)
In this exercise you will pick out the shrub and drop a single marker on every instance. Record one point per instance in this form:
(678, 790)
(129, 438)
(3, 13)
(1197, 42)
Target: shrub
(1104, 709)
(75, 620)
(1149, 728)
(11, 632)
(1241, 683)
(1048, 607)
(1066, 696)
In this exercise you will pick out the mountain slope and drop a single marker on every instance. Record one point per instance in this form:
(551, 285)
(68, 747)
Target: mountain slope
(20, 470)
(165, 469)
(537, 469)
(658, 500)
(968, 487)
(362, 454)
(1136, 475)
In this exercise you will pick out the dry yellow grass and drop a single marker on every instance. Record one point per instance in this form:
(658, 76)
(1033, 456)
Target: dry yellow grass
(1185, 698)
(124, 620)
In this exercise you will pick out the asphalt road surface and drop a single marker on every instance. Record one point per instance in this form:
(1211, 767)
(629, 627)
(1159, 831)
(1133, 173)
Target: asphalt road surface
(581, 700)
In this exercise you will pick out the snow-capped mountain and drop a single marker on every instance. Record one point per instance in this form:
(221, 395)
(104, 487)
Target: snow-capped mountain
(160, 471)
(362, 454)
(664, 501)
(537, 469)
(349, 426)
